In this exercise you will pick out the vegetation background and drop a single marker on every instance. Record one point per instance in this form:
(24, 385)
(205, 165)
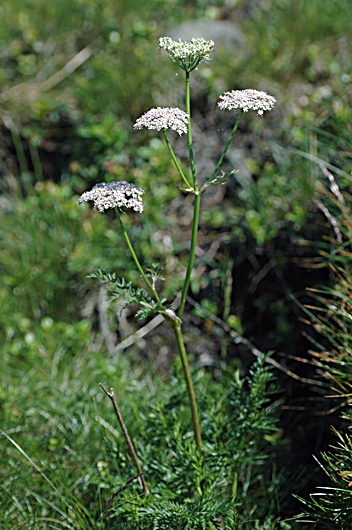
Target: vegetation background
(75, 75)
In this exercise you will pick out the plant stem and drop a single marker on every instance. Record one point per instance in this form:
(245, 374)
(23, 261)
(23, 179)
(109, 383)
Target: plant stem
(111, 395)
(18, 145)
(135, 259)
(189, 132)
(234, 486)
(190, 389)
(226, 146)
(184, 178)
(192, 252)
(196, 205)
(38, 170)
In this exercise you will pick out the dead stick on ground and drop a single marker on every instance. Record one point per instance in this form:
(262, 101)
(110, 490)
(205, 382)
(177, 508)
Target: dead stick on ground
(111, 395)
(110, 502)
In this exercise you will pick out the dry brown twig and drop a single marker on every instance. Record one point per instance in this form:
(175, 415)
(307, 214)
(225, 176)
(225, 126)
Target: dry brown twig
(110, 502)
(111, 395)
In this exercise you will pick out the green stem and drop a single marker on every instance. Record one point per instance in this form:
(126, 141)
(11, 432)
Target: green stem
(189, 132)
(135, 259)
(175, 160)
(196, 205)
(38, 170)
(234, 486)
(226, 146)
(21, 156)
(192, 253)
(190, 389)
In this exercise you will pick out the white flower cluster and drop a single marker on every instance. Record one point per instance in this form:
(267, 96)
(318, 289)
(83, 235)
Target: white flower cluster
(247, 100)
(114, 195)
(187, 54)
(163, 118)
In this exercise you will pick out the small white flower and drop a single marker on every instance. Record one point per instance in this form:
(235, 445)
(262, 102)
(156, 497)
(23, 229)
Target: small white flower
(114, 195)
(187, 54)
(163, 118)
(247, 100)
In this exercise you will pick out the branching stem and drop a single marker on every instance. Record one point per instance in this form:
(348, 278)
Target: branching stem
(182, 175)
(226, 146)
(134, 256)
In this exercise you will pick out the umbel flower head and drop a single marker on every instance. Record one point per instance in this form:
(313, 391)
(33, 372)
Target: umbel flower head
(247, 100)
(114, 195)
(187, 54)
(163, 118)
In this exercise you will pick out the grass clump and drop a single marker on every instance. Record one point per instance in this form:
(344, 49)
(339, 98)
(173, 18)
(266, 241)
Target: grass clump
(331, 318)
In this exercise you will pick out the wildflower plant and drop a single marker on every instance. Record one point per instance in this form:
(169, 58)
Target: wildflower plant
(121, 196)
